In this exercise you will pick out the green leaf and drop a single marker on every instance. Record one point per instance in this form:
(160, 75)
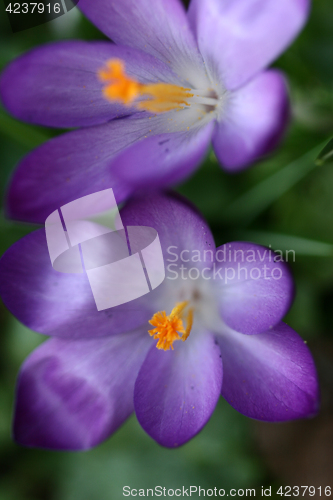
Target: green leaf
(26, 135)
(286, 242)
(249, 205)
(326, 155)
(12, 231)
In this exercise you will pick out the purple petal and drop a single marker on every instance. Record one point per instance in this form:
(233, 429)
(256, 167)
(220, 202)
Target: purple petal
(248, 34)
(69, 167)
(73, 395)
(253, 121)
(86, 161)
(57, 84)
(177, 222)
(60, 304)
(255, 292)
(176, 391)
(162, 160)
(270, 376)
(160, 28)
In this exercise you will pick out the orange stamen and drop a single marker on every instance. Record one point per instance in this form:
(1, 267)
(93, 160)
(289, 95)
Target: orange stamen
(122, 88)
(161, 97)
(168, 328)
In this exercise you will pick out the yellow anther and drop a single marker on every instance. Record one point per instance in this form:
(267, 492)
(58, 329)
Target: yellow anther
(168, 328)
(189, 323)
(121, 88)
(160, 97)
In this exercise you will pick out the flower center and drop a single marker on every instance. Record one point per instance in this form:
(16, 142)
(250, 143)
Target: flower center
(158, 97)
(168, 328)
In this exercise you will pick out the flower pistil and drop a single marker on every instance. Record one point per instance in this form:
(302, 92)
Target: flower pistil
(168, 328)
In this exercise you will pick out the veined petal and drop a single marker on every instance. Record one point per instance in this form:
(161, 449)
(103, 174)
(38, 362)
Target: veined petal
(71, 395)
(71, 166)
(176, 391)
(253, 123)
(179, 225)
(248, 34)
(162, 160)
(59, 304)
(254, 291)
(159, 28)
(270, 376)
(86, 161)
(57, 84)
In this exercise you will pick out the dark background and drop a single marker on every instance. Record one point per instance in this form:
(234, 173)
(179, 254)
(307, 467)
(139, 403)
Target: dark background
(26, 15)
(285, 201)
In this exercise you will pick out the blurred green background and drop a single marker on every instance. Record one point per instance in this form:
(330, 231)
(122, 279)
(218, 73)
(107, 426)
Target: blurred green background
(285, 201)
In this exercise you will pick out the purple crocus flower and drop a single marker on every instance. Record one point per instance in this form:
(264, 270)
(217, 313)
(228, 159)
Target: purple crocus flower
(215, 328)
(194, 77)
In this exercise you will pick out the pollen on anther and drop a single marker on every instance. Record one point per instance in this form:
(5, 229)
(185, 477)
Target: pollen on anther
(152, 97)
(170, 328)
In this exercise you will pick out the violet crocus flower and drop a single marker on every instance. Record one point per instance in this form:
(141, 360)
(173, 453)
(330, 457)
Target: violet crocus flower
(148, 105)
(214, 328)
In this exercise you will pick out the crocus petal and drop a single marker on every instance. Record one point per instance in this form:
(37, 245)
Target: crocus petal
(176, 391)
(69, 167)
(85, 161)
(57, 84)
(60, 304)
(270, 376)
(254, 291)
(72, 395)
(248, 34)
(162, 160)
(253, 121)
(160, 28)
(179, 225)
